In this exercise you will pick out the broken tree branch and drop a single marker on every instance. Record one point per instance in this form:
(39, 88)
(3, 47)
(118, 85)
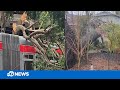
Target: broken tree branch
(32, 25)
(20, 27)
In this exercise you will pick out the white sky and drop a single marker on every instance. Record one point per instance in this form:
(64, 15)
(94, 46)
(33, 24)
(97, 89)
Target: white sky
(83, 12)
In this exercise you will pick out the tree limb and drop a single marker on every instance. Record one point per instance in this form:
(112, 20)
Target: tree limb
(31, 25)
(40, 42)
(41, 31)
(37, 36)
(20, 27)
(37, 45)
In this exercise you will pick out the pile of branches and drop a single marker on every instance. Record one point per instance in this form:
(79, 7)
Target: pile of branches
(35, 39)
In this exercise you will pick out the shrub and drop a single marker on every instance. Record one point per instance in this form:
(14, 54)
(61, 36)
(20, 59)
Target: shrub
(113, 34)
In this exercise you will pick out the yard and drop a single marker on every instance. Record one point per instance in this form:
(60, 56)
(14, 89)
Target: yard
(101, 61)
(92, 41)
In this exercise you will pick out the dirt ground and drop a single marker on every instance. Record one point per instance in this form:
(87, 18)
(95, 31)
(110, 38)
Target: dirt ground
(101, 61)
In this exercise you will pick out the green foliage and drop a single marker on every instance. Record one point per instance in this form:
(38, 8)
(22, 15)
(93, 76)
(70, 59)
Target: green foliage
(50, 18)
(113, 32)
(42, 65)
(33, 15)
(97, 46)
(53, 18)
(9, 14)
(47, 18)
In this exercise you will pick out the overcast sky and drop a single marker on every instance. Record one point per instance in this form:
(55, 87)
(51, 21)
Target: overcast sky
(83, 12)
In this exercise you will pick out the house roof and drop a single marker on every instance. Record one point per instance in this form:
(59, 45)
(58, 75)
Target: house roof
(72, 19)
(105, 13)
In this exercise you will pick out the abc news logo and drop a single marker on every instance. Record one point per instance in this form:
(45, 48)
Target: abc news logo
(12, 73)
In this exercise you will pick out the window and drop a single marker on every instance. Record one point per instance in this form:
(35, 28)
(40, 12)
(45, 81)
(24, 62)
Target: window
(28, 56)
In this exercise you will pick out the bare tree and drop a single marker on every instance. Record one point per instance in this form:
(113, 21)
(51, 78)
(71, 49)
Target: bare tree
(77, 44)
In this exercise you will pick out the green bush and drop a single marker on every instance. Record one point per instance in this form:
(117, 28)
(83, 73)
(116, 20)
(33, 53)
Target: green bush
(42, 65)
(52, 18)
(113, 32)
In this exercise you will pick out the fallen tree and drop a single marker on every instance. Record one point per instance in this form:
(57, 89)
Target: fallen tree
(35, 39)
(46, 29)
